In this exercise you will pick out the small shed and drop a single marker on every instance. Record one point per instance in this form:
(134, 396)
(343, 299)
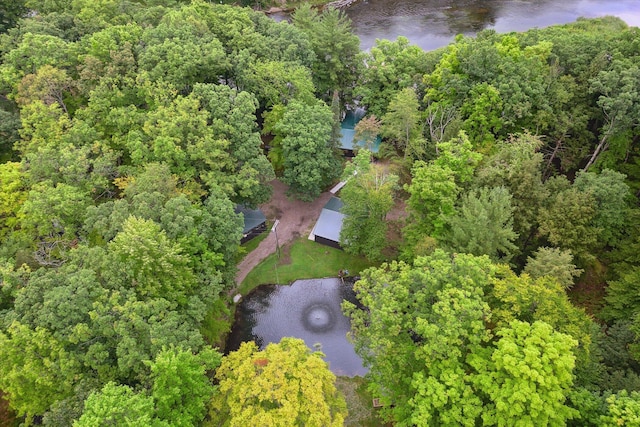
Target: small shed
(255, 222)
(329, 224)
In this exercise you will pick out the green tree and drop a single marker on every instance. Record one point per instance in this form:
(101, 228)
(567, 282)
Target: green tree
(182, 50)
(35, 369)
(13, 194)
(618, 93)
(48, 84)
(52, 216)
(401, 124)
(623, 408)
(232, 117)
(367, 131)
(117, 405)
(580, 236)
(457, 154)
(484, 225)
(9, 126)
(553, 262)
(451, 338)
(623, 295)
(142, 258)
(277, 82)
(433, 194)
(181, 389)
(310, 161)
(529, 377)
(336, 49)
(420, 326)
(517, 165)
(611, 195)
(483, 109)
(33, 52)
(284, 384)
(368, 198)
(390, 67)
(12, 10)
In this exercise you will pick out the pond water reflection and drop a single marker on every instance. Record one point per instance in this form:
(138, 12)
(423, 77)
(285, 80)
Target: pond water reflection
(307, 309)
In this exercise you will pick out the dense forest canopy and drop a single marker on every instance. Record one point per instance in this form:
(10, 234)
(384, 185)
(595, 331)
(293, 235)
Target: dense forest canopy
(131, 130)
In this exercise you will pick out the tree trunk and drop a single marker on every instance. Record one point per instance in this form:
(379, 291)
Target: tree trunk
(553, 156)
(602, 146)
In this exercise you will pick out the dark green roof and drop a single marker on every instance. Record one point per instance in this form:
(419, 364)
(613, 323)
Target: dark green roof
(252, 218)
(334, 204)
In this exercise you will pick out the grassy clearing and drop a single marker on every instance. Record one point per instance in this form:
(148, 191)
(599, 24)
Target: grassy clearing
(303, 259)
(359, 402)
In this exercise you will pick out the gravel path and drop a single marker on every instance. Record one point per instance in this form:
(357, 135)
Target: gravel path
(296, 219)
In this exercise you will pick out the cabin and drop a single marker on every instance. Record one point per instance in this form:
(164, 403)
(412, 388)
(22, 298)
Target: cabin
(255, 222)
(329, 224)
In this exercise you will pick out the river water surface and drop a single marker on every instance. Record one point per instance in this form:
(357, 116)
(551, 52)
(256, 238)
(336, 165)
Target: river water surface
(434, 23)
(431, 24)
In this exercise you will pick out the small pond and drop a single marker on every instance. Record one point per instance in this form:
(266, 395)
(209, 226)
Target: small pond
(307, 309)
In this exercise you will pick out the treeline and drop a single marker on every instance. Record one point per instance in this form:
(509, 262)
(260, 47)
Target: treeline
(130, 131)
(518, 158)
(129, 136)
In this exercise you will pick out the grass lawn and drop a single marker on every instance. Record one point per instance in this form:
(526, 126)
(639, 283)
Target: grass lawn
(302, 259)
(359, 402)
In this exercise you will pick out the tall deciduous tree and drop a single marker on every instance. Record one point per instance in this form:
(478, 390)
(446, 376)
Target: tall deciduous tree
(457, 340)
(579, 207)
(118, 405)
(433, 194)
(12, 10)
(181, 389)
(182, 50)
(618, 91)
(232, 117)
(142, 258)
(368, 198)
(517, 165)
(611, 195)
(401, 124)
(310, 161)
(284, 384)
(35, 369)
(529, 376)
(390, 66)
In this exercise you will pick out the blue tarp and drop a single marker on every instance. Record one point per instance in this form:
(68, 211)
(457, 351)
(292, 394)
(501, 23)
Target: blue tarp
(347, 129)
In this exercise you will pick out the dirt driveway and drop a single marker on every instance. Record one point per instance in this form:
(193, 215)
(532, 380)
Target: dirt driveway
(296, 219)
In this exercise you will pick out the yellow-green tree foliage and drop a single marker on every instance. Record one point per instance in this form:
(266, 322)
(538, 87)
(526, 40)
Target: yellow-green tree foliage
(285, 384)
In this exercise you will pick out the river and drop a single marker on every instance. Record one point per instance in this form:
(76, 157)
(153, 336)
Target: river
(431, 24)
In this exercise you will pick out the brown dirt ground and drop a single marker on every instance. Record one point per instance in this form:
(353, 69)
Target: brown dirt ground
(297, 218)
